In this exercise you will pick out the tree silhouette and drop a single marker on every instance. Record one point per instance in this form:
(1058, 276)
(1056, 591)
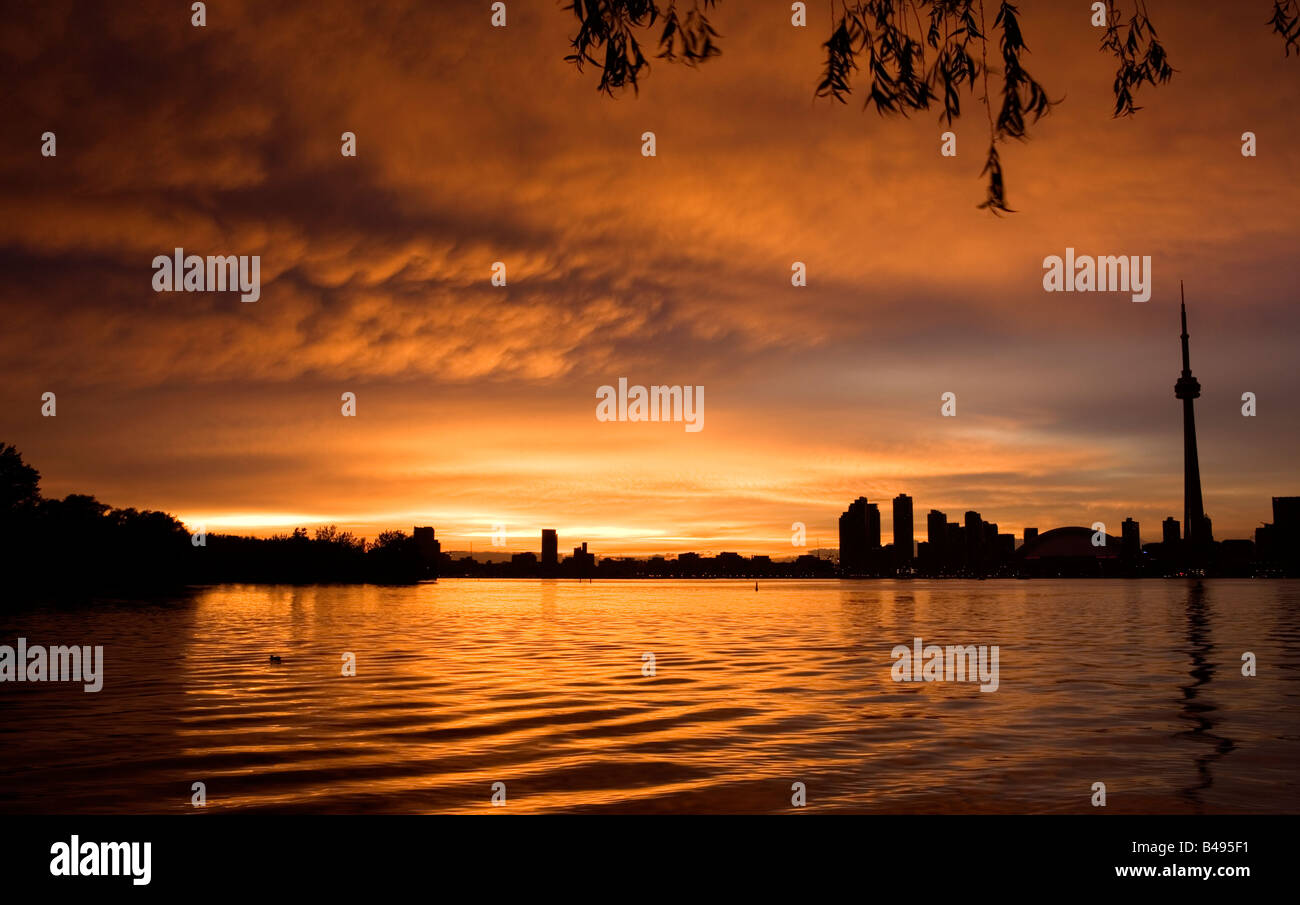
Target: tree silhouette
(916, 54)
(19, 482)
(80, 547)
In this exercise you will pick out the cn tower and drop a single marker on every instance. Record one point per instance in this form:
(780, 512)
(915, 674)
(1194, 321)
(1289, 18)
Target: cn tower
(1187, 389)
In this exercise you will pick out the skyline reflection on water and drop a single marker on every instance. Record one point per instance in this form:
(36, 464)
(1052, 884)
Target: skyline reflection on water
(539, 685)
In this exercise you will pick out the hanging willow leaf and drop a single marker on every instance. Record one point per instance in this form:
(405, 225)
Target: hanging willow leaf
(916, 53)
(1142, 58)
(1022, 96)
(996, 198)
(1286, 22)
(610, 26)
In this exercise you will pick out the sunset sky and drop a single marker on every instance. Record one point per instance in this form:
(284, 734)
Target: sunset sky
(476, 404)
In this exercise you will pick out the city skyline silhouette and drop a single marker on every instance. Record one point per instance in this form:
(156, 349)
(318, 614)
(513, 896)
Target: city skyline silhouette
(973, 547)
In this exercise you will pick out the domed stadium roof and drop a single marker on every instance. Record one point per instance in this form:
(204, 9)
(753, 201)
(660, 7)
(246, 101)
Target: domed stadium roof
(1069, 543)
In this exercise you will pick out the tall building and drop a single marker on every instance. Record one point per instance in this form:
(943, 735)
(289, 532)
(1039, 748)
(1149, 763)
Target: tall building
(854, 536)
(550, 548)
(1131, 538)
(936, 526)
(1170, 534)
(1279, 543)
(936, 535)
(427, 548)
(1286, 530)
(583, 562)
(1031, 535)
(1286, 514)
(974, 528)
(1265, 543)
(956, 552)
(1188, 389)
(904, 535)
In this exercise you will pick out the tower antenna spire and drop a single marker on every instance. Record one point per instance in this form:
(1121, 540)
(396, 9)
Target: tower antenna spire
(1196, 531)
(1187, 362)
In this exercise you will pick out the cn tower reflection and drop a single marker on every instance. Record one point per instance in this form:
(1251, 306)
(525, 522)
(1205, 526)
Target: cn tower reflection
(1195, 708)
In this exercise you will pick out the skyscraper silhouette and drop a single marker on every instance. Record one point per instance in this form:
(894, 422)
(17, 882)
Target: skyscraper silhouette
(1169, 534)
(974, 529)
(427, 549)
(936, 534)
(1132, 537)
(1194, 523)
(854, 533)
(904, 536)
(550, 548)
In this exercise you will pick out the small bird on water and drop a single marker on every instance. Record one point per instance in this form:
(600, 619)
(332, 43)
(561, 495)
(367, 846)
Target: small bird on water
(275, 658)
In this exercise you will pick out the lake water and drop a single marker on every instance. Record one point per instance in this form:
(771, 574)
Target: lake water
(539, 685)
